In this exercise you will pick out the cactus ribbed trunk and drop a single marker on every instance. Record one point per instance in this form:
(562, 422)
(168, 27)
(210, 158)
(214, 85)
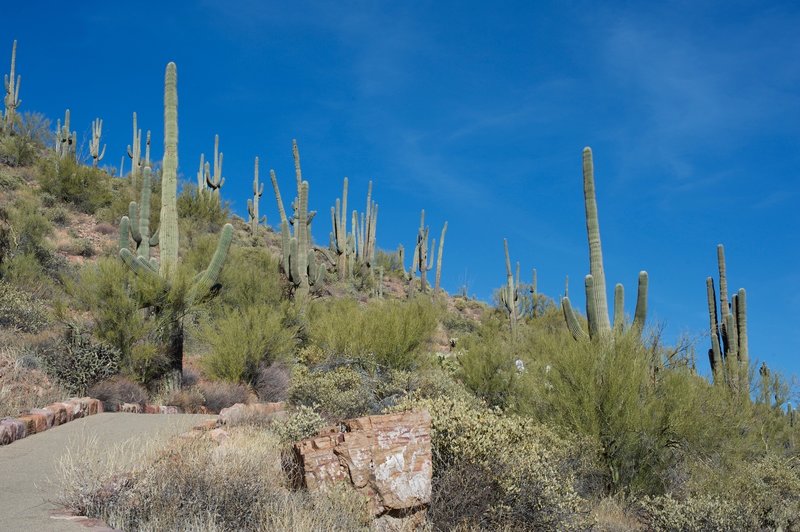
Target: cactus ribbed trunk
(744, 352)
(169, 175)
(437, 287)
(595, 248)
(715, 353)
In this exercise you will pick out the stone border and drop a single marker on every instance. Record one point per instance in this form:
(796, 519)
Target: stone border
(39, 420)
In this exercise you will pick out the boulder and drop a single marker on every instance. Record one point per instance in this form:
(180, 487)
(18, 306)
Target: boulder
(11, 430)
(133, 408)
(386, 458)
(60, 413)
(169, 410)
(152, 409)
(34, 423)
(218, 436)
(261, 411)
(48, 416)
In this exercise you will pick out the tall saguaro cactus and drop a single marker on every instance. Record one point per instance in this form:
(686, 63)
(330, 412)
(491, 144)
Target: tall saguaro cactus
(65, 140)
(11, 99)
(134, 152)
(437, 286)
(509, 296)
(729, 354)
(94, 146)
(252, 205)
(343, 244)
(137, 225)
(595, 283)
(365, 234)
(421, 261)
(215, 180)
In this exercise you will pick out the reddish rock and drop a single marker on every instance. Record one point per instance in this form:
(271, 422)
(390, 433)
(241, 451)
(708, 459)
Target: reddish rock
(169, 410)
(11, 430)
(386, 458)
(133, 408)
(262, 411)
(48, 415)
(59, 412)
(34, 423)
(152, 409)
(76, 407)
(91, 406)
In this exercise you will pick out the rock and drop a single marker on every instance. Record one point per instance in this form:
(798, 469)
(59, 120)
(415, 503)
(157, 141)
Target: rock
(209, 424)
(169, 410)
(152, 409)
(76, 407)
(133, 408)
(34, 423)
(60, 413)
(218, 436)
(263, 412)
(386, 458)
(11, 430)
(48, 416)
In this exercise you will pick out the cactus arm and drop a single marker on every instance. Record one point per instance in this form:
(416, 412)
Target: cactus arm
(437, 286)
(640, 314)
(211, 274)
(715, 355)
(154, 239)
(591, 307)
(573, 324)
(298, 173)
(278, 199)
(169, 176)
(619, 308)
(124, 232)
(603, 323)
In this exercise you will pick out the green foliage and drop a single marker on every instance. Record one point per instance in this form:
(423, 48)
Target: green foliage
(300, 424)
(241, 340)
(202, 212)
(17, 150)
(254, 280)
(530, 468)
(89, 189)
(339, 393)
(20, 311)
(389, 334)
(76, 361)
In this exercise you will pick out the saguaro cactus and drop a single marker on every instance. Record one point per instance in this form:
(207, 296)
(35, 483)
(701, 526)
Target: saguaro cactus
(729, 354)
(437, 286)
(215, 180)
(140, 262)
(298, 260)
(365, 236)
(65, 140)
(595, 283)
(509, 296)
(94, 147)
(11, 98)
(252, 205)
(343, 244)
(421, 261)
(135, 151)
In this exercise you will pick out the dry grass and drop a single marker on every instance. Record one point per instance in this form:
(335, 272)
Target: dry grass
(22, 385)
(194, 484)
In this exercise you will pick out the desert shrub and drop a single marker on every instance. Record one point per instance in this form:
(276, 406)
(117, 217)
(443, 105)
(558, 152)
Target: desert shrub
(218, 395)
(243, 339)
(255, 279)
(300, 424)
(22, 385)
(197, 485)
(388, 260)
(530, 469)
(76, 361)
(664, 513)
(117, 390)
(203, 211)
(190, 400)
(107, 290)
(10, 180)
(338, 393)
(19, 310)
(81, 247)
(273, 381)
(57, 215)
(146, 363)
(88, 188)
(389, 334)
(17, 150)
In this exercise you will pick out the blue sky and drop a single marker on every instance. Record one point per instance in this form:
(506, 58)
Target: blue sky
(478, 114)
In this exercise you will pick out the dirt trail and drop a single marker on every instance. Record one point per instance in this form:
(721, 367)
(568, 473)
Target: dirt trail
(27, 466)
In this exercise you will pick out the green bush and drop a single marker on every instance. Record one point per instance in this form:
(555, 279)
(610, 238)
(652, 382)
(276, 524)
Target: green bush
(88, 188)
(241, 340)
(77, 362)
(17, 150)
(339, 393)
(391, 334)
(218, 395)
(201, 212)
(19, 310)
(526, 469)
(300, 424)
